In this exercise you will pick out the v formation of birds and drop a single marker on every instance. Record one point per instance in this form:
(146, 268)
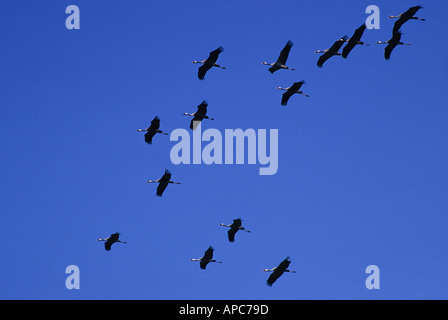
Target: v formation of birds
(279, 64)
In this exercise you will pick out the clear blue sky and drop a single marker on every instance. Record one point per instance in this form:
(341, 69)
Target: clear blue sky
(362, 175)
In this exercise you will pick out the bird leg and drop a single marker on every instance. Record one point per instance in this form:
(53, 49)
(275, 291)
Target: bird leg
(244, 229)
(217, 65)
(160, 131)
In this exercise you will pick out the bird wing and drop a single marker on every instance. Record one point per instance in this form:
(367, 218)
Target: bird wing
(161, 187)
(296, 86)
(208, 255)
(327, 55)
(149, 135)
(155, 124)
(349, 47)
(273, 277)
(388, 50)
(399, 23)
(108, 244)
(231, 233)
(203, 70)
(214, 55)
(285, 53)
(194, 123)
(284, 264)
(392, 44)
(353, 40)
(203, 264)
(202, 108)
(359, 32)
(285, 97)
(237, 223)
(411, 11)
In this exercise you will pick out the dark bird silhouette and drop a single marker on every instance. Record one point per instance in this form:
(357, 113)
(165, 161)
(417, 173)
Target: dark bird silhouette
(295, 88)
(234, 227)
(163, 182)
(208, 63)
(354, 40)
(152, 130)
(392, 43)
(278, 271)
(406, 16)
(332, 51)
(199, 115)
(111, 240)
(281, 61)
(208, 257)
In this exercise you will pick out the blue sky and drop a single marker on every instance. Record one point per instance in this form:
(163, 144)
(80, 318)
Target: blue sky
(362, 174)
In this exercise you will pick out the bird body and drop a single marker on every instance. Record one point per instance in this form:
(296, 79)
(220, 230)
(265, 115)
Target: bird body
(281, 61)
(152, 130)
(163, 182)
(206, 259)
(278, 271)
(234, 227)
(111, 240)
(295, 88)
(208, 63)
(332, 51)
(199, 115)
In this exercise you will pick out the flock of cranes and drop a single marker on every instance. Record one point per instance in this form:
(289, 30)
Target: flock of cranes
(201, 114)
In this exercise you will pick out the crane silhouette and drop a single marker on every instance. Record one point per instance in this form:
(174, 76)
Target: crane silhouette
(111, 240)
(208, 257)
(234, 227)
(354, 40)
(163, 182)
(332, 51)
(295, 88)
(281, 61)
(278, 271)
(392, 43)
(199, 115)
(208, 63)
(152, 130)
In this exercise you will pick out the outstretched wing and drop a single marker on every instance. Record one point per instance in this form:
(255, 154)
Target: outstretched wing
(273, 277)
(327, 55)
(285, 97)
(392, 44)
(214, 55)
(161, 187)
(155, 124)
(231, 233)
(349, 47)
(285, 52)
(203, 70)
(296, 86)
(284, 264)
(149, 135)
(353, 41)
(399, 23)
